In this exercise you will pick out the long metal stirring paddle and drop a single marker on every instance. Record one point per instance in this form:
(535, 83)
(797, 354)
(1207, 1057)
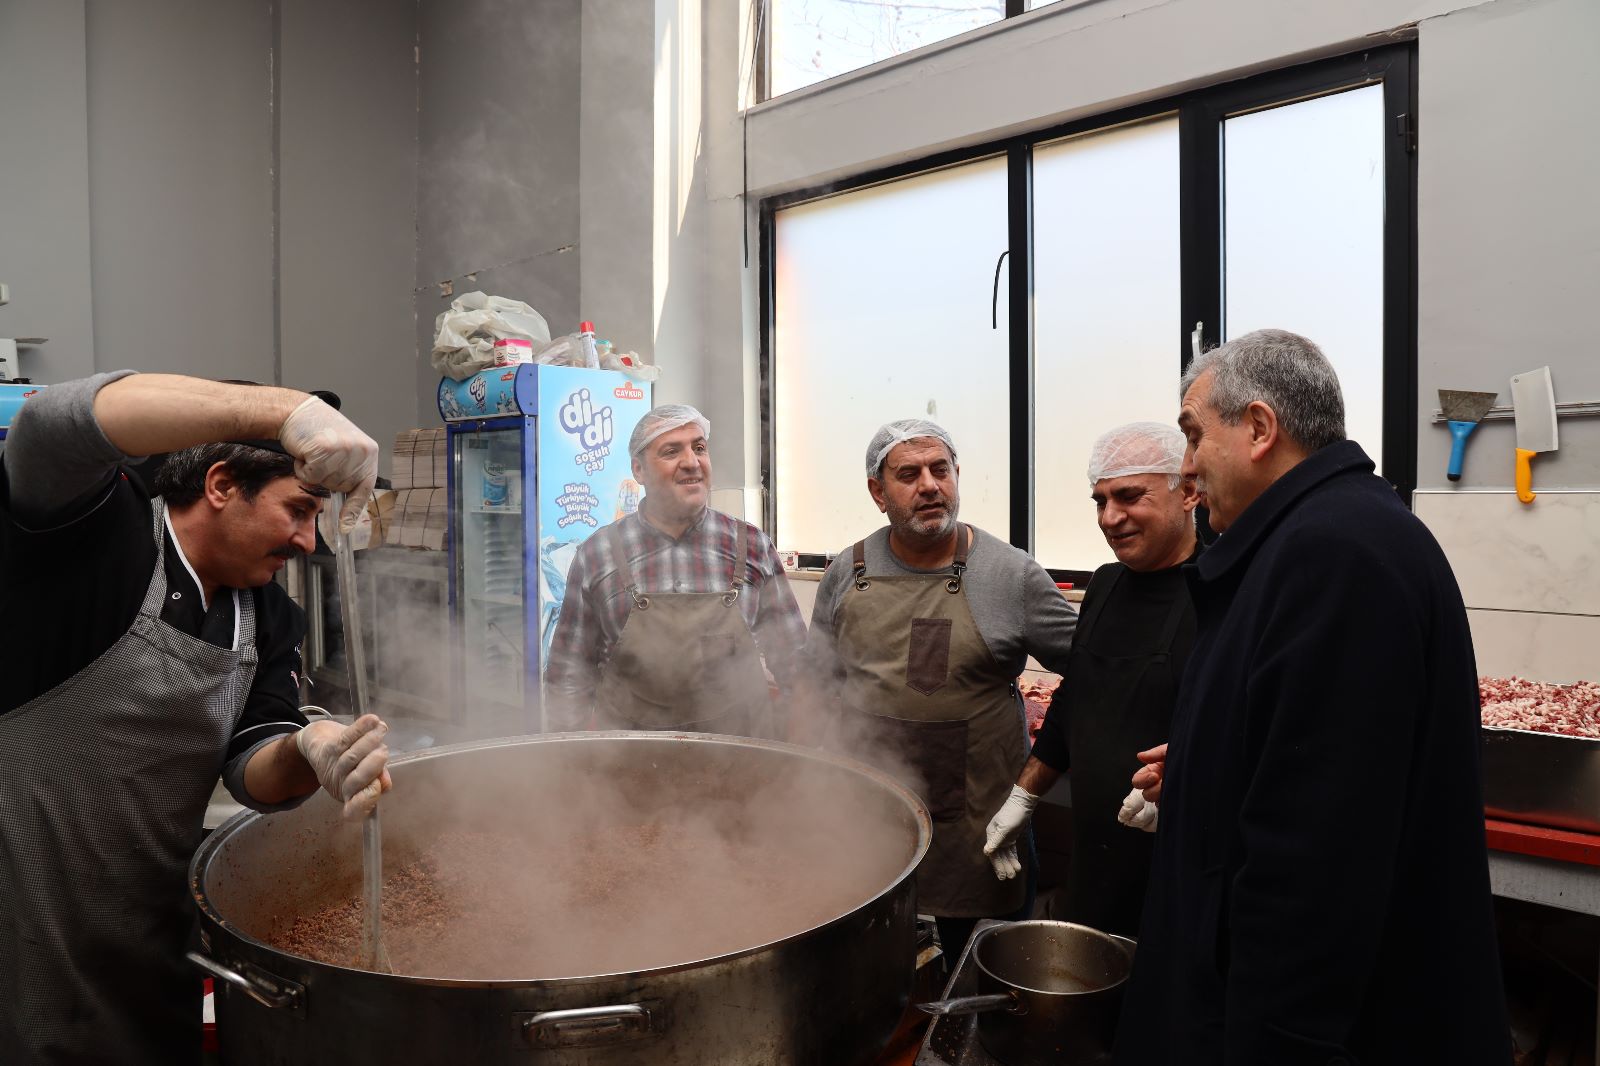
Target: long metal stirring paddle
(355, 660)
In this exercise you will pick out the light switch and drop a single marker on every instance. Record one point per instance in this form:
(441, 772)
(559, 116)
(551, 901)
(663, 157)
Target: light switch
(5, 293)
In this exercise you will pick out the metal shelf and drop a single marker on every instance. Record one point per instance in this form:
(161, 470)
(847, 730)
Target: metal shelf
(1581, 409)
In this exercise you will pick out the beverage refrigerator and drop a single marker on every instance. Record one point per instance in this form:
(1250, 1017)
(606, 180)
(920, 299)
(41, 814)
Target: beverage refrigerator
(538, 463)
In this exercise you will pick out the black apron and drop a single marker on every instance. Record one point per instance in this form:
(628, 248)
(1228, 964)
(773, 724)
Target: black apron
(1119, 703)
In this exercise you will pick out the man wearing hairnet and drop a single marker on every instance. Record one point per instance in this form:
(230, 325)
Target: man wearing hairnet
(918, 636)
(671, 611)
(1135, 630)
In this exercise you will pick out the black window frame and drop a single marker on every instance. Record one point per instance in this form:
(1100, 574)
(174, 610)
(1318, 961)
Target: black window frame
(1201, 115)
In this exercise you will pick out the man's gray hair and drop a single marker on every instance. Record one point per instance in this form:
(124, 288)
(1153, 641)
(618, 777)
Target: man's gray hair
(1283, 370)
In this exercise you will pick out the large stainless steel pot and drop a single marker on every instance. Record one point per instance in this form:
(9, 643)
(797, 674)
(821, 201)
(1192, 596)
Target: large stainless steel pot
(825, 995)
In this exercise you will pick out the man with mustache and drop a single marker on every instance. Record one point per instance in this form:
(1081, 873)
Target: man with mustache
(148, 651)
(675, 613)
(1320, 887)
(917, 638)
(1136, 628)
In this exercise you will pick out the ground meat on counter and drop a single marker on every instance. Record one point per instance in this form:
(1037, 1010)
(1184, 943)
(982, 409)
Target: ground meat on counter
(1517, 703)
(491, 906)
(1037, 692)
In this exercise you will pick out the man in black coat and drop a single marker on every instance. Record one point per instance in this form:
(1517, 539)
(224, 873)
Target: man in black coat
(1320, 888)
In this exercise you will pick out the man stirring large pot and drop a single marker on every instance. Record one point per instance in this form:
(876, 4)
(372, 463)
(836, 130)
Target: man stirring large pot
(159, 655)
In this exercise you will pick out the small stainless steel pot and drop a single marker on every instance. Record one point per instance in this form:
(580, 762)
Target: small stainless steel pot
(1049, 992)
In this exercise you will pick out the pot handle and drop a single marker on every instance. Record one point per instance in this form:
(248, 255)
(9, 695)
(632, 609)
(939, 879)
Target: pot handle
(264, 988)
(588, 1026)
(1006, 1001)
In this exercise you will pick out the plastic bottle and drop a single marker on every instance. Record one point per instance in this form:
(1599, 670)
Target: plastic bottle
(591, 355)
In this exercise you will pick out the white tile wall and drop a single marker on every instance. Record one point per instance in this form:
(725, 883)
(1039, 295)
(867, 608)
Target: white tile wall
(1530, 576)
(1509, 556)
(1560, 648)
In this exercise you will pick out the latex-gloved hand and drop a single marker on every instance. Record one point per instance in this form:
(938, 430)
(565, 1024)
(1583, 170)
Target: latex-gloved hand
(330, 451)
(1000, 843)
(1138, 812)
(351, 762)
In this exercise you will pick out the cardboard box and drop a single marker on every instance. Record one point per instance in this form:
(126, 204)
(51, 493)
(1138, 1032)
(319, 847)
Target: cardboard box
(420, 459)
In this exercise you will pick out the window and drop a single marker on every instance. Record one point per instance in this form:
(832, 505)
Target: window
(1131, 240)
(883, 312)
(1107, 288)
(1303, 217)
(813, 40)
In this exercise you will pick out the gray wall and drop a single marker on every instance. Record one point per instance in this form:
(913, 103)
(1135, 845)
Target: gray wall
(497, 173)
(617, 194)
(1508, 228)
(346, 207)
(180, 186)
(224, 190)
(44, 186)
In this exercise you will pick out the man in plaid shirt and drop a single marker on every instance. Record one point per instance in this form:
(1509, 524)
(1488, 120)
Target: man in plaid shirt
(671, 611)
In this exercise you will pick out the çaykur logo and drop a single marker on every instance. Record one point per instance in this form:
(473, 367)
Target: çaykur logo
(591, 425)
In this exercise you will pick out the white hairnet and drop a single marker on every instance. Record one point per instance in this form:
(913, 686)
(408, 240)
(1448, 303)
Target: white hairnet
(664, 419)
(1137, 448)
(885, 439)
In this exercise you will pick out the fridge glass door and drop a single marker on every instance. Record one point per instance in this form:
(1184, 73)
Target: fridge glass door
(489, 500)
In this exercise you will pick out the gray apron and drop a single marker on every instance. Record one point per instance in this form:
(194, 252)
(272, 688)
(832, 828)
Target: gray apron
(685, 661)
(939, 712)
(103, 786)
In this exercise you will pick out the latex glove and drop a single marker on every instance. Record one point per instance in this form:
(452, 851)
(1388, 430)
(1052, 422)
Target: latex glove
(351, 762)
(330, 451)
(1000, 843)
(1138, 812)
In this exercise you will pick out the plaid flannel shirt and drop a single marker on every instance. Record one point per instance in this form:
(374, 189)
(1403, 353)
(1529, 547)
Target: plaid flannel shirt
(596, 605)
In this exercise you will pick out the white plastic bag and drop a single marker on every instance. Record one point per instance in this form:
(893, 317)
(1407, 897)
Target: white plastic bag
(464, 336)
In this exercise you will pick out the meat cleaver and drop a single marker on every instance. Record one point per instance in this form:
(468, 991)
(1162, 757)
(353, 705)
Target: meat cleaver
(1533, 400)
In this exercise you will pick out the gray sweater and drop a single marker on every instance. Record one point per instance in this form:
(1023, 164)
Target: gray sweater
(1017, 608)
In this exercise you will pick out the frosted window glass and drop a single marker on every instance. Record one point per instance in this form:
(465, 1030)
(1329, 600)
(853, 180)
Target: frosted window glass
(882, 311)
(813, 40)
(1106, 315)
(1304, 238)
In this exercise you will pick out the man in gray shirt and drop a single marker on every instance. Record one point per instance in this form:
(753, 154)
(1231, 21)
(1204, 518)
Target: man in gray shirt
(917, 638)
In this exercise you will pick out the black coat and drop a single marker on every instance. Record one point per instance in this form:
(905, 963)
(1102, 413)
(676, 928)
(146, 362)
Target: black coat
(1320, 889)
